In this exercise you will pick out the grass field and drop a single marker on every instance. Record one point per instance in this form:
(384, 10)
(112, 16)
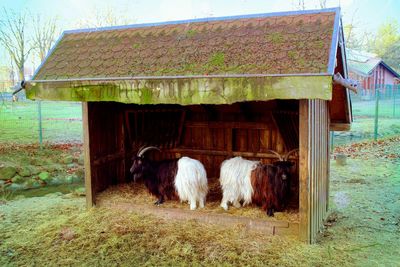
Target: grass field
(61, 122)
(387, 108)
(362, 128)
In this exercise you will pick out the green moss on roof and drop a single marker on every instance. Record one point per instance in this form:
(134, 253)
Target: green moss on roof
(239, 46)
(191, 33)
(277, 37)
(217, 60)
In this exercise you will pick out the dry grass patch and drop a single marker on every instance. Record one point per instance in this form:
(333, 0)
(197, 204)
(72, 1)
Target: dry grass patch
(53, 231)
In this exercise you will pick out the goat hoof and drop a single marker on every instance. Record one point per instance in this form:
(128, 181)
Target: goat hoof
(158, 203)
(270, 212)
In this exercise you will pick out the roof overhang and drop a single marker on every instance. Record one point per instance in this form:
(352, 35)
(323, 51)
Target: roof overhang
(390, 69)
(185, 90)
(340, 107)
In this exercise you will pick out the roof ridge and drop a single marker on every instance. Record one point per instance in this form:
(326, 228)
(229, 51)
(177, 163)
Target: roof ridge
(206, 19)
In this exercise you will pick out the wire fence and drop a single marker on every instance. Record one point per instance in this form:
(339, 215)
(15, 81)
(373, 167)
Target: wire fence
(25, 121)
(376, 114)
(39, 145)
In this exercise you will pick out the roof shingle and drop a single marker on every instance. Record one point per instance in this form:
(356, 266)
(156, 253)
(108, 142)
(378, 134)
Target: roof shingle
(290, 44)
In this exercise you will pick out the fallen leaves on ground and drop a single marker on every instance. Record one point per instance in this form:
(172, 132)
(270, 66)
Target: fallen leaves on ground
(386, 148)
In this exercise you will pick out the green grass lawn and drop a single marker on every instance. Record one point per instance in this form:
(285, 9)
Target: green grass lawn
(61, 122)
(386, 108)
(362, 129)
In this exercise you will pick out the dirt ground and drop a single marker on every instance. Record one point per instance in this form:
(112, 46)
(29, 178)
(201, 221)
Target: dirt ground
(363, 229)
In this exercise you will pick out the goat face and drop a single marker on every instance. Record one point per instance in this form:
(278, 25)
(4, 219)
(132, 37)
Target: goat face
(281, 183)
(139, 166)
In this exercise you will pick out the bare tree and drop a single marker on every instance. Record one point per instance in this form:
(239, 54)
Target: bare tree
(104, 17)
(44, 34)
(299, 4)
(322, 3)
(14, 40)
(354, 37)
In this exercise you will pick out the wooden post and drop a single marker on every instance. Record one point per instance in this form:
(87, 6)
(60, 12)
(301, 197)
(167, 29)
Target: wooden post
(376, 113)
(328, 157)
(304, 176)
(86, 151)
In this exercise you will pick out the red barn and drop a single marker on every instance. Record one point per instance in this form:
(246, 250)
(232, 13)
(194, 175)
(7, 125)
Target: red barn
(371, 72)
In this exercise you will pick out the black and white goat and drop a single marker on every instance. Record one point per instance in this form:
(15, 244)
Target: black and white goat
(183, 178)
(266, 185)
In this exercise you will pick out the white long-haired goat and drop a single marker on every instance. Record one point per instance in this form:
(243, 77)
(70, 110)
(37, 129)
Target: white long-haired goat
(235, 181)
(191, 182)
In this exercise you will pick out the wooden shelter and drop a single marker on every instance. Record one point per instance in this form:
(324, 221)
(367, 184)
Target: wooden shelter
(210, 89)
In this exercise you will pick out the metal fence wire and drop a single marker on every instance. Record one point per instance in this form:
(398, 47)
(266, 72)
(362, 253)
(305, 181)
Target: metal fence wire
(25, 121)
(376, 114)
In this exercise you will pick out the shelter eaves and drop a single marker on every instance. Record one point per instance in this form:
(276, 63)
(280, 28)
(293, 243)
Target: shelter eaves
(290, 55)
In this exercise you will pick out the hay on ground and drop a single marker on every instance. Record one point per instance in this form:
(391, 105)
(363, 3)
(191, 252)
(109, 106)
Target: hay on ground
(137, 193)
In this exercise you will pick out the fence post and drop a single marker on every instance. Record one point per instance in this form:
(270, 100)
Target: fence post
(376, 113)
(40, 123)
(394, 101)
(332, 135)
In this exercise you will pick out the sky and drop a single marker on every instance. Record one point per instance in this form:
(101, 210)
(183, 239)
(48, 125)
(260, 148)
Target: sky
(366, 15)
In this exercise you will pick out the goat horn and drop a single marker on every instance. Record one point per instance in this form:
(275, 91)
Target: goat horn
(277, 154)
(142, 151)
(285, 158)
(141, 148)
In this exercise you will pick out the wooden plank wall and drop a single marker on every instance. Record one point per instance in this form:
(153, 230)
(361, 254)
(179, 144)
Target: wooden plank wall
(107, 145)
(212, 143)
(314, 167)
(209, 133)
(247, 130)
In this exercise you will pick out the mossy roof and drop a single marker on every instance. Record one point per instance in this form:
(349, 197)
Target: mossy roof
(260, 57)
(281, 43)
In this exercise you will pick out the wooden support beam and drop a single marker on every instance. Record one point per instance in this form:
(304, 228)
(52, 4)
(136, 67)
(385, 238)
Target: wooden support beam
(86, 152)
(111, 157)
(304, 175)
(224, 153)
(226, 125)
(347, 83)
